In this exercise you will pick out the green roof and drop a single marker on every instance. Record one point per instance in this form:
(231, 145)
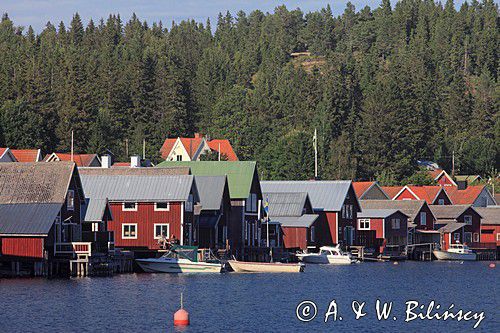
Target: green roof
(239, 173)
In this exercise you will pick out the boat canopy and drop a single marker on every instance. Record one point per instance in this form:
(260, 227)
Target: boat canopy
(184, 251)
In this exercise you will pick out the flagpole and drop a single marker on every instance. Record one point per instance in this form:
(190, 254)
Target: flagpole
(315, 143)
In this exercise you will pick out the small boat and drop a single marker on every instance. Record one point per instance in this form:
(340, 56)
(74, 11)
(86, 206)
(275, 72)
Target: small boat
(456, 252)
(327, 255)
(265, 267)
(179, 259)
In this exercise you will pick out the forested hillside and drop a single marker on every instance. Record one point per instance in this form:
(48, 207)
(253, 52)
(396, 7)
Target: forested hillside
(383, 86)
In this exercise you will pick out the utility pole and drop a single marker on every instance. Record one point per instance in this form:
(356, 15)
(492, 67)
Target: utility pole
(144, 149)
(453, 163)
(72, 146)
(126, 147)
(315, 145)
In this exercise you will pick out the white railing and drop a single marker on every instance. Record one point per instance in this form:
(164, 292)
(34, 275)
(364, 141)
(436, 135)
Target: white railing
(74, 248)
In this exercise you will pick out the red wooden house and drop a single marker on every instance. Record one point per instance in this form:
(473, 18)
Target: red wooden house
(148, 205)
(384, 230)
(490, 225)
(457, 224)
(334, 201)
(40, 209)
(294, 213)
(433, 195)
(441, 177)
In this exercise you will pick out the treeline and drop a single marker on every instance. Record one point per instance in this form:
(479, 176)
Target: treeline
(384, 87)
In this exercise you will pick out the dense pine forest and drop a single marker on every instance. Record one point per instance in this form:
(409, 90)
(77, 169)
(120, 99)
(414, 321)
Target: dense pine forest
(384, 87)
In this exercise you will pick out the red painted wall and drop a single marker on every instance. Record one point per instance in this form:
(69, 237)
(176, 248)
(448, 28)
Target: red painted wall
(443, 181)
(295, 237)
(405, 195)
(22, 247)
(490, 238)
(328, 233)
(145, 217)
(429, 220)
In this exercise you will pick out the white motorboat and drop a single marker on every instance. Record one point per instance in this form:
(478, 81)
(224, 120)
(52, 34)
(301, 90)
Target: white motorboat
(265, 267)
(327, 255)
(456, 252)
(180, 259)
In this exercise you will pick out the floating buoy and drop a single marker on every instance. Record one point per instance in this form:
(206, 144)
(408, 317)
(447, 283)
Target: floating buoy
(181, 316)
(492, 265)
(396, 263)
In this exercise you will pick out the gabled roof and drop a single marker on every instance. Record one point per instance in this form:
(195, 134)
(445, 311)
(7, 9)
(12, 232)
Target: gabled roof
(438, 173)
(240, 174)
(170, 171)
(137, 188)
(427, 193)
(409, 207)
(224, 146)
(378, 213)
(81, 160)
(28, 218)
(324, 195)
(286, 203)
(211, 191)
(27, 155)
(7, 152)
(191, 145)
(464, 197)
(35, 182)
(451, 227)
(2, 151)
(391, 191)
(94, 209)
(167, 146)
(490, 215)
(449, 212)
(468, 178)
(361, 188)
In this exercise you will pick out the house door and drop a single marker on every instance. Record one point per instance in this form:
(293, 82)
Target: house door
(349, 235)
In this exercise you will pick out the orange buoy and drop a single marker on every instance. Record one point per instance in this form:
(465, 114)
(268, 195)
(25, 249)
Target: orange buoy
(396, 263)
(181, 316)
(492, 265)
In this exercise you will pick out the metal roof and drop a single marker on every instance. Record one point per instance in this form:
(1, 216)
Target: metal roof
(137, 188)
(378, 213)
(285, 203)
(211, 191)
(240, 174)
(28, 218)
(94, 209)
(128, 171)
(408, 207)
(443, 212)
(304, 221)
(450, 227)
(324, 195)
(490, 214)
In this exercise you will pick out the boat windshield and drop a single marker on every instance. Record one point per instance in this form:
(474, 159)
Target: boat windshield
(186, 252)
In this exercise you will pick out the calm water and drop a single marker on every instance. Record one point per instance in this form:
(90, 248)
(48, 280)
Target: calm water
(252, 302)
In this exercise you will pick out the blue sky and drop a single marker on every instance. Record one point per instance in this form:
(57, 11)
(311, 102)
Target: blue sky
(38, 12)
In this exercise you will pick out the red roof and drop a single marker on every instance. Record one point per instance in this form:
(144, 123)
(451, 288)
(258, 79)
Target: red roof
(191, 145)
(225, 148)
(2, 150)
(25, 155)
(121, 164)
(464, 197)
(427, 193)
(361, 187)
(81, 160)
(391, 191)
(435, 173)
(167, 146)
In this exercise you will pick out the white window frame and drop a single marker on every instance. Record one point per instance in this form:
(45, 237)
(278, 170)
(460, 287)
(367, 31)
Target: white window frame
(129, 209)
(455, 238)
(364, 221)
(441, 202)
(123, 231)
(468, 219)
(313, 234)
(70, 199)
(161, 225)
(251, 203)
(423, 218)
(162, 209)
(393, 224)
(476, 237)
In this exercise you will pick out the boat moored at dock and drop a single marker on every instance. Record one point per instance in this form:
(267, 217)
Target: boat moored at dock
(327, 255)
(265, 267)
(456, 252)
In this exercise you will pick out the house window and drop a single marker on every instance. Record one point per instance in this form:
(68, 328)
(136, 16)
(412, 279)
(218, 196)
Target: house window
(251, 204)
(70, 201)
(313, 234)
(179, 158)
(476, 237)
(456, 237)
(498, 236)
(364, 224)
(468, 219)
(350, 212)
(396, 223)
(162, 230)
(129, 206)
(129, 231)
(467, 237)
(162, 206)
(189, 203)
(347, 212)
(441, 202)
(423, 218)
